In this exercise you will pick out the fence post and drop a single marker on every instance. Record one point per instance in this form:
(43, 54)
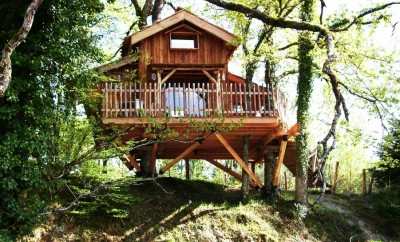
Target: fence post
(371, 181)
(364, 182)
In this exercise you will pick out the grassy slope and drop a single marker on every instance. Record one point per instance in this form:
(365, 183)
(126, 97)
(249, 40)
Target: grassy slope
(190, 211)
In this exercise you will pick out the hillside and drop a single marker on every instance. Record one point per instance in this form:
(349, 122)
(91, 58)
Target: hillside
(179, 210)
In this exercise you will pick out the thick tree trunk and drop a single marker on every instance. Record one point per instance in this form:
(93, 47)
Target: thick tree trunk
(187, 169)
(304, 91)
(156, 11)
(269, 160)
(245, 176)
(13, 43)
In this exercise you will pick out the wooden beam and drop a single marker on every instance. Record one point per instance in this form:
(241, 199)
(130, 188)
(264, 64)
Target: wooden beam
(279, 162)
(186, 152)
(132, 161)
(294, 130)
(235, 155)
(209, 76)
(265, 141)
(168, 76)
(231, 172)
(152, 162)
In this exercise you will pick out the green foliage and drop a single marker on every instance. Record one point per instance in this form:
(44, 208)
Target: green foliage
(50, 74)
(385, 205)
(388, 170)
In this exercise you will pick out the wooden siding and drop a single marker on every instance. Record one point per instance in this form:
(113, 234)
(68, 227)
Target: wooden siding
(156, 50)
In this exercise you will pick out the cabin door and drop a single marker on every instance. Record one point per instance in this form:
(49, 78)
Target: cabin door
(184, 100)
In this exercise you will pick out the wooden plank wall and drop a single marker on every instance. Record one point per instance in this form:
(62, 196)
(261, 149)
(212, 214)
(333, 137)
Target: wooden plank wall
(156, 50)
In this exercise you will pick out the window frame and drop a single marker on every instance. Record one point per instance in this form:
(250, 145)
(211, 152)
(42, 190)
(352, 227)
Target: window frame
(194, 35)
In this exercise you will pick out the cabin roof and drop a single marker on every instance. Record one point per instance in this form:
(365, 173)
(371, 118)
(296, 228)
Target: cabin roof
(180, 16)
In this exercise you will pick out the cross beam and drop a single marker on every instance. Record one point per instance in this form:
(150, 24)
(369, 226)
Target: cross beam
(182, 155)
(236, 156)
(231, 172)
(278, 164)
(131, 159)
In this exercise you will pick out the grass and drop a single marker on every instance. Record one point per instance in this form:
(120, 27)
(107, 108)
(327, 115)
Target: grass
(130, 210)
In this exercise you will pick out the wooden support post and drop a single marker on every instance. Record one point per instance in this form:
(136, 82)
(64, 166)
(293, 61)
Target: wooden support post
(371, 182)
(168, 76)
(153, 158)
(279, 163)
(187, 169)
(131, 160)
(186, 152)
(159, 84)
(235, 155)
(364, 182)
(269, 160)
(335, 177)
(245, 176)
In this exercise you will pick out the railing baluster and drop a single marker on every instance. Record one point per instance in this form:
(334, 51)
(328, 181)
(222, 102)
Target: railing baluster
(254, 97)
(145, 98)
(263, 100)
(231, 99)
(173, 97)
(193, 103)
(259, 100)
(184, 99)
(106, 99)
(114, 107)
(197, 99)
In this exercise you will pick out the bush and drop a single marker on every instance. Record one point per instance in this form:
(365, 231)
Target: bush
(387, 171)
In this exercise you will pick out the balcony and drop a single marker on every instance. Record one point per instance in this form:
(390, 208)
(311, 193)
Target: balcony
(191, 100)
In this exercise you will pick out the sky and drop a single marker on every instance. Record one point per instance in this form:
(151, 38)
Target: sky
(386, 38)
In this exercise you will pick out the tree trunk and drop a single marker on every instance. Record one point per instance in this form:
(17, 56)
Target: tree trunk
(156, 11)
(105, 161)
(187, 169)
(304, 91)
(269, 160)
(245, 176)
(13, 43)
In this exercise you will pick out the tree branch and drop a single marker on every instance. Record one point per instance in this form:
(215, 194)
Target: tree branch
(276, 22)
(357, 19)
(13, 43)
(288, 46)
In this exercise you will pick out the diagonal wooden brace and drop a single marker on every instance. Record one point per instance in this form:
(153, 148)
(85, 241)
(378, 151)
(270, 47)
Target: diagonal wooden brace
(131, 160)
(278, 164)
(231, 172)
(186, 152)
(236, 156)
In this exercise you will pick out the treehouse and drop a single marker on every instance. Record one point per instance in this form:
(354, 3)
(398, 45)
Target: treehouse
(173, 75)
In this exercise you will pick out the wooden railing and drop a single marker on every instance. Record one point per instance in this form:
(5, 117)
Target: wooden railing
(191, 100)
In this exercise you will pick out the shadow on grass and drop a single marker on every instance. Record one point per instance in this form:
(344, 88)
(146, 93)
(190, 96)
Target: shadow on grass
(134, 210)
(141, 211)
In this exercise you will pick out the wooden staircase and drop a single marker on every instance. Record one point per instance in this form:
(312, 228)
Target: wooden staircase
(314, 164)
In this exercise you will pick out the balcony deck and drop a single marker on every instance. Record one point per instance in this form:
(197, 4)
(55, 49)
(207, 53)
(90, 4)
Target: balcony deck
(128, 103)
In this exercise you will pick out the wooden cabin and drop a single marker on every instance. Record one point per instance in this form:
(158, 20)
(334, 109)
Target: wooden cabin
(175, 72)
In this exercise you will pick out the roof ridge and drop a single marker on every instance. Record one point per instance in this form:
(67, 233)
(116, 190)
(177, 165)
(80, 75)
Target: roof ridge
(181, 15)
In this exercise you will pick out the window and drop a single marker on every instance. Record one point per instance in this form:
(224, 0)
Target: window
(184, 41)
